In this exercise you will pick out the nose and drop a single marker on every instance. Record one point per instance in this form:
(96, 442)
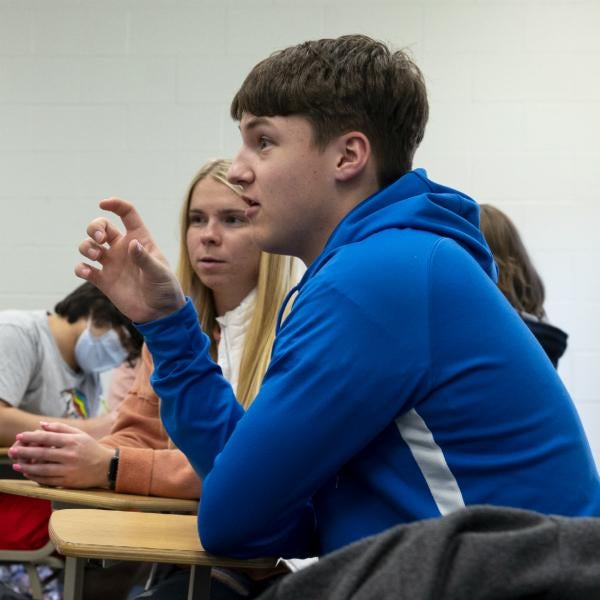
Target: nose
(239, 172)
(210, 234)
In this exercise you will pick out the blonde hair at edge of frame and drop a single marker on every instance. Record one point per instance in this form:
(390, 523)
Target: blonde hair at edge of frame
(276, 275)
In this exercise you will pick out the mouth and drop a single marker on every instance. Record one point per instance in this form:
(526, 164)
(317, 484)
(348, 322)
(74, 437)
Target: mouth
(209, 260)
(250, 202)
(252, 208)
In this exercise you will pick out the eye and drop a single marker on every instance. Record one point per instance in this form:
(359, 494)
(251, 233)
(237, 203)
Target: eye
(196, 219)
(264, 142)
(235, 219)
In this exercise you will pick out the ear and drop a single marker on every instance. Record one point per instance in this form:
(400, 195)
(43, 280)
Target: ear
(353, 155)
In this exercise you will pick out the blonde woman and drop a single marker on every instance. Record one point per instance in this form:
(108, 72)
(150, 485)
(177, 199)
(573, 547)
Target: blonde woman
(237, 290)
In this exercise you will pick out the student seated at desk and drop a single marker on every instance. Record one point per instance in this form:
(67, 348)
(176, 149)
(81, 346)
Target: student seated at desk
(519, 281)
(50, 368)
(237, 290)
(402, 385)
(51, 362)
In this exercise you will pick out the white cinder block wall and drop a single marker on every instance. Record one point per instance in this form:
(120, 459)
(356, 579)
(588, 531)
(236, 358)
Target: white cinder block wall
(129, 97)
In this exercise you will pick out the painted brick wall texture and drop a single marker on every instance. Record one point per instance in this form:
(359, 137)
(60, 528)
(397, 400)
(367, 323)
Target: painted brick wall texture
(129, 97)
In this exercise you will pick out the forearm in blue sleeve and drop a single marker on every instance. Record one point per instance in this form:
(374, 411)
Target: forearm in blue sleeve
(198, 407)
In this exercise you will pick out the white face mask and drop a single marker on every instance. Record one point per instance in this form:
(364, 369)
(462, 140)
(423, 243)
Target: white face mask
(97, 354)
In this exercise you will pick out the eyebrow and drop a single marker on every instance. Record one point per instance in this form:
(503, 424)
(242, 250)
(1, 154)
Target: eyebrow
(254, 122)
(222, 212)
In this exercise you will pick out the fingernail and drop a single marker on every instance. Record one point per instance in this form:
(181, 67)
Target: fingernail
(93, 254)
(98, 236)
(16, 467)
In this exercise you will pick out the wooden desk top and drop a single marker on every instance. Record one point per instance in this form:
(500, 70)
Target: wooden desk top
(97, 498)
(4, 451)
(147, 537)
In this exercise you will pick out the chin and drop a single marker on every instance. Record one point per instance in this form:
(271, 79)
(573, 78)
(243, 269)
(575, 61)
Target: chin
(210, 282)
(268, 243)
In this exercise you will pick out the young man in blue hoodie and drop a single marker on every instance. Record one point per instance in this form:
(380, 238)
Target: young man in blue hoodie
(402, 384)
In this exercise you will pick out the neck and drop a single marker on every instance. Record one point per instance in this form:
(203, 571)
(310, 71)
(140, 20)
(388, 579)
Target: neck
(353, 193)
(65, 335)
(226, 301)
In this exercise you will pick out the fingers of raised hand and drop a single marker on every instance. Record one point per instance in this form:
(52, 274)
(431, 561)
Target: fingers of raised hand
(102, 234)
(102, 231)
(91, 250)
(87, 272)
(125, 210)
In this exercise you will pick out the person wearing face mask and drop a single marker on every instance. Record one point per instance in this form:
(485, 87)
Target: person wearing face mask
(100, 351)
(50, 369)
(51, 362)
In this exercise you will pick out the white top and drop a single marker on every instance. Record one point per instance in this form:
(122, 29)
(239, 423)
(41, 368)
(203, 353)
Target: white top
(233, 325)
(33, 375)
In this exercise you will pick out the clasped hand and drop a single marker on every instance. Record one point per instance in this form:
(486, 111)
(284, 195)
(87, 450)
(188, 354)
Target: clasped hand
(60, 455)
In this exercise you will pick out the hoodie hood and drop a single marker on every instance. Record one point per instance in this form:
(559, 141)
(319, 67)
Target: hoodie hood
(414, 202)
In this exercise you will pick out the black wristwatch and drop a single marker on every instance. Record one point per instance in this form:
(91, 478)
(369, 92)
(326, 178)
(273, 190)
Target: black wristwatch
(113, 467)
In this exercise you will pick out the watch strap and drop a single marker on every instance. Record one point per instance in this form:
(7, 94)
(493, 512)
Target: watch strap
(112, 469)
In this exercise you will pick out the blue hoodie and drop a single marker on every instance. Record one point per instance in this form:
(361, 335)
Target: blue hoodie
(402, 386)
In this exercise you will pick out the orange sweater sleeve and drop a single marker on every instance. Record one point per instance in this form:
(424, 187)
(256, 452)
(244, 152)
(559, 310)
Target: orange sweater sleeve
(121, 381)
(148, 462)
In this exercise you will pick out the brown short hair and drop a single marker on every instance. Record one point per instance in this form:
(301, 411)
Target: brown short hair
(348, 83)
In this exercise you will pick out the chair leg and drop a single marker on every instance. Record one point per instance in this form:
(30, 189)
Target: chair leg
(199, 588)
(151, 576)
(74, 571)
(34, 582)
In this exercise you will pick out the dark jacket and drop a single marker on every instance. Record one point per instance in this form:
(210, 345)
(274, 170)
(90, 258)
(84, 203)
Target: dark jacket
(552, 339)
(478, 553)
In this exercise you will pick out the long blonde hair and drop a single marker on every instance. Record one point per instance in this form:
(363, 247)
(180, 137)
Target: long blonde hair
(275, 277)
